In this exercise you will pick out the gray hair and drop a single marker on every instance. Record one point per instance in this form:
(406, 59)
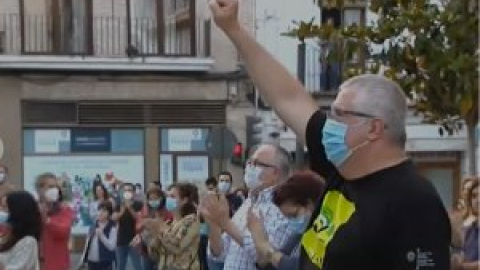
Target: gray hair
(282, 159)
(382, 98)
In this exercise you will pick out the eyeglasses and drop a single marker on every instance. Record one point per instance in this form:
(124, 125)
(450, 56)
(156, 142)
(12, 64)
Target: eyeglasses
(337, 112)
(334, 111)
(257, 163)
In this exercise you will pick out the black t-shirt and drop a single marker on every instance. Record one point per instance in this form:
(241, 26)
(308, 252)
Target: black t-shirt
(390, 219)
(234, 201)
(126, 226)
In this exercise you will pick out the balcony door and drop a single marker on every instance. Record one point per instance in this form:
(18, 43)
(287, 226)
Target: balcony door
(58, 27)
(143, 27)
(180, 27)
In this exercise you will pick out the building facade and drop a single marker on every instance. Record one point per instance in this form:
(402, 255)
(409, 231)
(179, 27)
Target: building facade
(145, 89)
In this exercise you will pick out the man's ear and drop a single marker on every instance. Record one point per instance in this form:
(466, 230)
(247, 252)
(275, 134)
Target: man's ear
(377, 129)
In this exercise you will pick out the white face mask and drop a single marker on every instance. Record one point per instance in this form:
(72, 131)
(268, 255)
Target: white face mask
(224, 187)
(128, 195)
(52, 194)
(3, 176)
(252, 177)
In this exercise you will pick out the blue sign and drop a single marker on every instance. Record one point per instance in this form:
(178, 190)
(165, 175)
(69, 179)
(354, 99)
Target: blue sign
(90, 140)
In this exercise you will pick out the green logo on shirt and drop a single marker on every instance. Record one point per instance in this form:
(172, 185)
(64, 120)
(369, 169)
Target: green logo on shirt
(336, 210)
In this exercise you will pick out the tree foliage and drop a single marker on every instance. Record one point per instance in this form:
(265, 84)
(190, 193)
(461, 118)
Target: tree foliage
(430, 49)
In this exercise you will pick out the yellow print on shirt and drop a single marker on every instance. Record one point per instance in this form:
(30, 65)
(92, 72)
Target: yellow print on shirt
(336, 210)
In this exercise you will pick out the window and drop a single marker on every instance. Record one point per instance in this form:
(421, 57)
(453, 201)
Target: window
(78, 156)
(352, 16)
(55, 27)
(331, 15)
(184, 155)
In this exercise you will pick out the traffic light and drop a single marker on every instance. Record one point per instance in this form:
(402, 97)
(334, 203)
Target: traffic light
(255, 131)
(237, 154)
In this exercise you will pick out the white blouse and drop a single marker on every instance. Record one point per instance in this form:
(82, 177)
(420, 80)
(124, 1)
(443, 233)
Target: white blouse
(22, 256)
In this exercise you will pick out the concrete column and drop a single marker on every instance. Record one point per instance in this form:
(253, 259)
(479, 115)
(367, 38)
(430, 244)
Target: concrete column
(152, 155)
(11, 127)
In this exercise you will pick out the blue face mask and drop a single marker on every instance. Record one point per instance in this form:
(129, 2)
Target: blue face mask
(155, 204)
(333, 139)
(171, 204)
(299, 224)
(3, 217)
(224, 187)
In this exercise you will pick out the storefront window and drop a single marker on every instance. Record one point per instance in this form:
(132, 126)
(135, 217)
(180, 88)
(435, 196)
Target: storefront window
(78, 156)
(184, 155)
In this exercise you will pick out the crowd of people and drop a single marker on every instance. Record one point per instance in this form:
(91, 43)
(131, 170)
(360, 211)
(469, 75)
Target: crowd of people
(158, 229)
(363, 206)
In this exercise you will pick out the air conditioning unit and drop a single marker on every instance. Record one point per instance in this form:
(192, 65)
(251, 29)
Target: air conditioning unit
(3, 42)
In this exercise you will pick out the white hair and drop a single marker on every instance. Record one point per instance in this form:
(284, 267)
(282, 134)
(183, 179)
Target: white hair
(282, 159)
(383, 98)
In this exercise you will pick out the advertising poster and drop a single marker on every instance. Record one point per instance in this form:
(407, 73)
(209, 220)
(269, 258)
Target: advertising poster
(192, 169)
(181, 140)
(166, 170)
(77, 174)
(51, 141)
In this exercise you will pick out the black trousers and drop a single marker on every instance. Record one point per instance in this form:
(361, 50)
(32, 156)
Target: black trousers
(202, 252)
(100, 265)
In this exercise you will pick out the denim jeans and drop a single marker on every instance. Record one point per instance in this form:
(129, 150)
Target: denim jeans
(214, 265)
(148, 264)
(123, 253)
(202, 252)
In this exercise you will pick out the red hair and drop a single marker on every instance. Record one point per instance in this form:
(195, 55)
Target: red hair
(301, 188)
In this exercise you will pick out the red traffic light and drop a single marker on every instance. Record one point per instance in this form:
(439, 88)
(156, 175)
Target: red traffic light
(238, 150)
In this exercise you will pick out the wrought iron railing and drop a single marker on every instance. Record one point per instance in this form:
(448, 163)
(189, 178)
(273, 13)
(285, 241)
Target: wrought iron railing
(104, 36)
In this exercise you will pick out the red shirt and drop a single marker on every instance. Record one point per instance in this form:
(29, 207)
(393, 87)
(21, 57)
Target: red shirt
(55, 237)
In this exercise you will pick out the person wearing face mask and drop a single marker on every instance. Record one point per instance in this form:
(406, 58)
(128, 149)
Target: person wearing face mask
(126, 218)
(139, 194)
(377, 212)
(152, 217)
(225, 180)
(57, 223)
(229, 240)
(175, 246)
(296, 199)
(102, 240)
(20, 248)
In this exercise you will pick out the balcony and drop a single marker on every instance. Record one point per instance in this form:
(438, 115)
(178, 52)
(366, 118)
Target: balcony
(323, 76)
(174, 43)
